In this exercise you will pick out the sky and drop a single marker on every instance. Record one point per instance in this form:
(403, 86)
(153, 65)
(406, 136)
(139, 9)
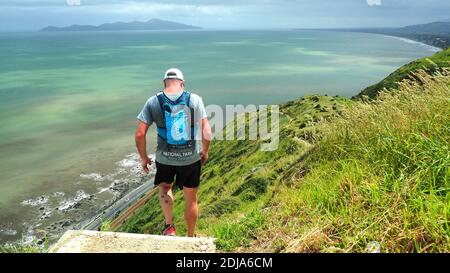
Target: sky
(224, 14)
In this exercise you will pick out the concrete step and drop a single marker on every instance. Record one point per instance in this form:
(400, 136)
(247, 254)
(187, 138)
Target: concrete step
(86, 241)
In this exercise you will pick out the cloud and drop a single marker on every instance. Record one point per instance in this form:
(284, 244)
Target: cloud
(73, 2)
(374, 2)
(167, 9)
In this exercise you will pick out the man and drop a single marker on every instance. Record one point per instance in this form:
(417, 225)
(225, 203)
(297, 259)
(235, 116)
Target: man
(183, 141)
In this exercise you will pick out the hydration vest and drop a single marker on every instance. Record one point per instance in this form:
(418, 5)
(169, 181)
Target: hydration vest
(178, 117)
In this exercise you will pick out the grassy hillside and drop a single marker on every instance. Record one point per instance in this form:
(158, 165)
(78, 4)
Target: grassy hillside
(239, 177)
(431, 64)
(346, 173)
(379, 173)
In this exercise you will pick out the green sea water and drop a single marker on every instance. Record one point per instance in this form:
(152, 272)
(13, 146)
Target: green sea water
(68, 101)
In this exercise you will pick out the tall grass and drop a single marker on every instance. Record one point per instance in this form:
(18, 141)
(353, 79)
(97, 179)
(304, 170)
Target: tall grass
(380, 172)
(406, 131)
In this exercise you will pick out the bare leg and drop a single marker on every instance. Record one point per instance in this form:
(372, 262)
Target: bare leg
(191, 209)
(166, 201)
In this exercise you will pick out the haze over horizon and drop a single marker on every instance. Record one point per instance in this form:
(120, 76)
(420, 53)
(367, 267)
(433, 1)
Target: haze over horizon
(231, 14)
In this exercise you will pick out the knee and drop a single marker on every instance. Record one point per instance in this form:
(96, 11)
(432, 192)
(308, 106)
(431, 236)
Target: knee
(164, 189)
(191, 202)
(164, 194)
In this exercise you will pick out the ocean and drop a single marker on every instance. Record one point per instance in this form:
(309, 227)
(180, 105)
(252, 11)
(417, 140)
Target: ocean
(69, 101)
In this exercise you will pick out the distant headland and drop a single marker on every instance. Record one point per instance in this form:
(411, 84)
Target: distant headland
(152, 24)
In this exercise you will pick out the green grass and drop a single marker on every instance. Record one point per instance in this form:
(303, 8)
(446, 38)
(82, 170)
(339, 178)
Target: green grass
(106, 226)
(431, 65)
(240, 233)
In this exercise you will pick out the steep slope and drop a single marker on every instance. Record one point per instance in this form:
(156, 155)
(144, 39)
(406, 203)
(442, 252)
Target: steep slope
(431, 65)
(378, 176)
(240, 176)
(346, 173)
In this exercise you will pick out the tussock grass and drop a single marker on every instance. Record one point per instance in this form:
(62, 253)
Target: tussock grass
(380, 172)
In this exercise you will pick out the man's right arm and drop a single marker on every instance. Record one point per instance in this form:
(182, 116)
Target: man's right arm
(145, 120)
(141, 145)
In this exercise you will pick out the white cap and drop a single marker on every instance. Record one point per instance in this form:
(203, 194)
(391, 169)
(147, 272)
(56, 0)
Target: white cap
(174, 73)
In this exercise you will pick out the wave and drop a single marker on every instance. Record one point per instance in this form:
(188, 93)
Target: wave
(93, 176)
(34, 202)
(8, 231)
(73, 202)
(409, 41)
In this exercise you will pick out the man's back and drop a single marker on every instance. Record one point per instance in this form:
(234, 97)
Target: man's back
(152, 113)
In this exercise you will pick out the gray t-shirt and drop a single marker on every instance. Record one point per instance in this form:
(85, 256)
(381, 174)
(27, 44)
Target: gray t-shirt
(152, 113)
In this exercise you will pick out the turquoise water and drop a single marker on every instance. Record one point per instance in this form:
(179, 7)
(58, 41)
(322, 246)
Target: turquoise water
(68, 100)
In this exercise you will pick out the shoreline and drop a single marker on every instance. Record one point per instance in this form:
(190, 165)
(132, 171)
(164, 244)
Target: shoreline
(431, 48)
(404, 37)
(125, 199)
(55, 213)
(116, 208)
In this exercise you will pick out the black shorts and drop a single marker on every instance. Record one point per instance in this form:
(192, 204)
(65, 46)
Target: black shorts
(186, 176)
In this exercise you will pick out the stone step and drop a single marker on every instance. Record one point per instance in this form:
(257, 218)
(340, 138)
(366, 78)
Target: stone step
(86, 241)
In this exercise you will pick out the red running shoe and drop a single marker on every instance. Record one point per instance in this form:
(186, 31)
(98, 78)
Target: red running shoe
(169, 230)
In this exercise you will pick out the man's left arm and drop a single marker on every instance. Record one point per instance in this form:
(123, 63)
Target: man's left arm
(206, 140)
(205, 130)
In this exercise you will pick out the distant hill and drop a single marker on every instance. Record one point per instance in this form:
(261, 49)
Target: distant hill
(435, 34)
(436, 28)
(153, 24)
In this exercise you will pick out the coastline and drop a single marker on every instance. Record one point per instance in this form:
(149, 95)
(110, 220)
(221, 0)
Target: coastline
(429, 41)
(58, 212)
(429, 47)
(126, 195)
(116, 208)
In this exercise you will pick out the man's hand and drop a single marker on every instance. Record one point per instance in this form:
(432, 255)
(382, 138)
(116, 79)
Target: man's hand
(145, 163)
(204, 157)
